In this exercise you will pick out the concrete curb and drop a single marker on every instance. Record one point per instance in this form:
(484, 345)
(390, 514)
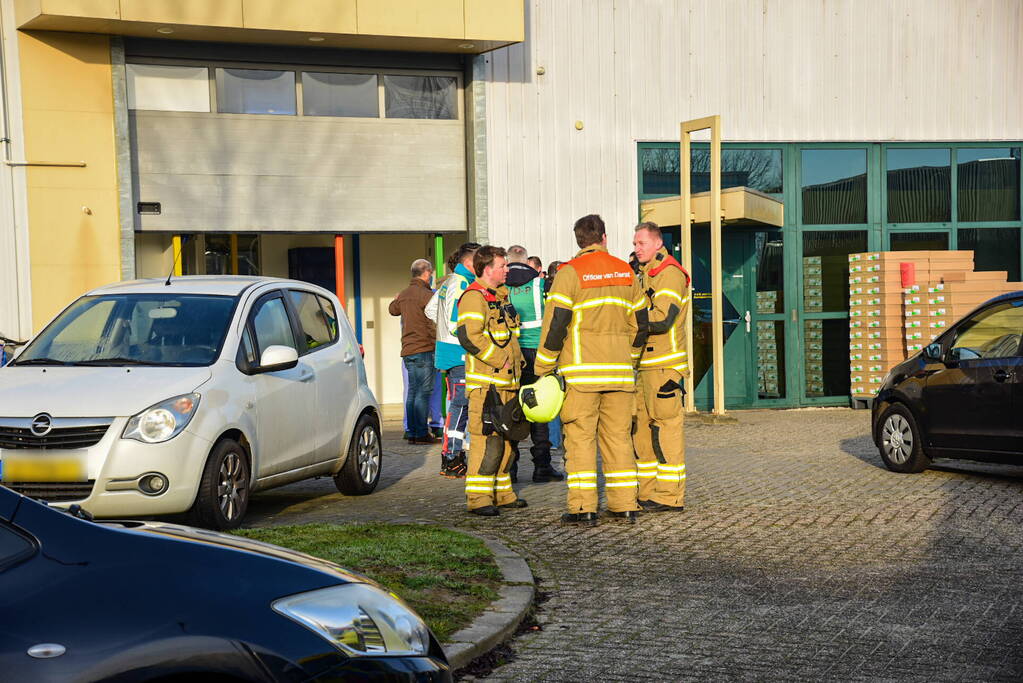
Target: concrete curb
(499, 621)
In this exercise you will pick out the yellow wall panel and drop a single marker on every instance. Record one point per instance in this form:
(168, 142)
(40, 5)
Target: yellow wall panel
(71, 252)
(413, 18)
(315, 16)
(26, 9)
(189, 12)
(65, 72)
(103, 9)
(67, 99)
(62, 136)
(502, 20)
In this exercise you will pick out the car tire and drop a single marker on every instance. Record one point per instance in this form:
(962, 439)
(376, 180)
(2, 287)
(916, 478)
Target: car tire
(223, 494)
(361, 471)
(900, 442)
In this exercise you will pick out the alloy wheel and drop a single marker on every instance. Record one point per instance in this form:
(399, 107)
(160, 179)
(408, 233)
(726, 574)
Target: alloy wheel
(897, 439)
(369, 455)
(231, 486)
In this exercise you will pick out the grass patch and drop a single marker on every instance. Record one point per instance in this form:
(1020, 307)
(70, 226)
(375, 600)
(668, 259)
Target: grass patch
(447, 577)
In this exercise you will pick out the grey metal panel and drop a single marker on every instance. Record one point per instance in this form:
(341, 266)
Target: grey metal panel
(215, 172)
(122, 147)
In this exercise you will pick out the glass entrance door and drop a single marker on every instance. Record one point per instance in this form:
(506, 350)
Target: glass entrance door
(737, 276)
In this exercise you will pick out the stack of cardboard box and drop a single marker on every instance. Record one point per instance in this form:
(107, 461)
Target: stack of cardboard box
(901, 301)
(927, 314)
(768, 351)
(876, 323)
(813, 302)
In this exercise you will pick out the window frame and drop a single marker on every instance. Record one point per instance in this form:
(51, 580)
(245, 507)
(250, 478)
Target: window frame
(298, 70)
(986, 312)
(296, 322)
(250, 321)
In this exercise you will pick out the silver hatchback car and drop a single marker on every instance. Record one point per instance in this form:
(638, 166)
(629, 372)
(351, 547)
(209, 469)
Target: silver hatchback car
(147, 398)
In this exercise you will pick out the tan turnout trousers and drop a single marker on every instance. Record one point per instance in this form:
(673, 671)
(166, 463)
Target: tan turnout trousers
(486, 488)
(660, 439)
(589, 419)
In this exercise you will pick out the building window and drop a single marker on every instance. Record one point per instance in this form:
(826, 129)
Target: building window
(757, 169)
(993, 249)
(826, 268)
(834, 186)
(918, 241)
(335, 94)
(232, 254)
(988, 183)
(420, 97)
(158, 87)
(255, 91)
(919, 185)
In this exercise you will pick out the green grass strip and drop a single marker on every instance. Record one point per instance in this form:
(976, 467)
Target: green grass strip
(447, 577)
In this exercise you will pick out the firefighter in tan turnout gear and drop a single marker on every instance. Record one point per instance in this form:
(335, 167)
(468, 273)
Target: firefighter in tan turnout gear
(592, 334)
(488, 330)
(659, 438)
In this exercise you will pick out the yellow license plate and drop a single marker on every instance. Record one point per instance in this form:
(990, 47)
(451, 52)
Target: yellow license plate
(36, 466)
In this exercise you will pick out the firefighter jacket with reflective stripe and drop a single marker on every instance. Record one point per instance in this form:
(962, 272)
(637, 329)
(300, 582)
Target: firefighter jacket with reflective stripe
(488, 330)
(665, 285)
(525, 291)
(593, 326)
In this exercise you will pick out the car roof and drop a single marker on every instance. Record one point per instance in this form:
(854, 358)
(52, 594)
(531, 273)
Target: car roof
(224, 285)
(1004, 297)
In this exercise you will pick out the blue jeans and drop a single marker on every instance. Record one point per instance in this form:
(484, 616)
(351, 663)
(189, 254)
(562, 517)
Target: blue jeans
(420, 387)
(436, 409)
(554, 429)
(458, 413)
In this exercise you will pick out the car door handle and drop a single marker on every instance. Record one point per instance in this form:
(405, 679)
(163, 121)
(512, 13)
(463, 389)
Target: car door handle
(1002, 375)
(306, 376)
(349, 357)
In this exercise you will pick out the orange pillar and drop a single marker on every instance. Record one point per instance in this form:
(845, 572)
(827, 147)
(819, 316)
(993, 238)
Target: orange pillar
(339, 267)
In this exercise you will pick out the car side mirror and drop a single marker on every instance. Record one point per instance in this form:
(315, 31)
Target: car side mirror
(276, 358)
(932, 353)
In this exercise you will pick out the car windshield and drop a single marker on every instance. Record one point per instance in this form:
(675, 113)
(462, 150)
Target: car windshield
(134, 329)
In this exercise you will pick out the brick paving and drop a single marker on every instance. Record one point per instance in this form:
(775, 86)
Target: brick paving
(798, 557)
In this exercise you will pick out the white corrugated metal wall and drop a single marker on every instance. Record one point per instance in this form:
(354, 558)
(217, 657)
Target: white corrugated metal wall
(775, 70)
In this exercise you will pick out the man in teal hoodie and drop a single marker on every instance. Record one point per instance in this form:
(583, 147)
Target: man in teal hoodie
(449, 356)
(526, 293)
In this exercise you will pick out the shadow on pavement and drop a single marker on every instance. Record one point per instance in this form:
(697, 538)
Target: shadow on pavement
(312, 493)
(863, 448)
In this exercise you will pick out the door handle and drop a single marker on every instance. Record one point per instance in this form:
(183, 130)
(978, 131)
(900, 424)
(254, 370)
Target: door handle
(306, 376)
(748, 318)
(1002, 375)
(348, 357)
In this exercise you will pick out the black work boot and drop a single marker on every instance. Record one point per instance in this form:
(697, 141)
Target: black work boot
(486, 511)
(627, 516)
(654, 506)
(515, 504)
(580, 518)
(543, 474)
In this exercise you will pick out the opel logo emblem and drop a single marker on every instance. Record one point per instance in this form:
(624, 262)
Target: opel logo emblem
(42, 424)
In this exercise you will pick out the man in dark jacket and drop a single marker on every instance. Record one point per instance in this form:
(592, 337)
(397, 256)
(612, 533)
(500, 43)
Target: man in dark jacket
(417, 338)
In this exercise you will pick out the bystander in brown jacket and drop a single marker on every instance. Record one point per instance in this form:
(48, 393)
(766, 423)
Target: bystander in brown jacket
(418, 334)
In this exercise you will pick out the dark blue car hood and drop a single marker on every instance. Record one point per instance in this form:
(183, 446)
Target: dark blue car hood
(79, 541)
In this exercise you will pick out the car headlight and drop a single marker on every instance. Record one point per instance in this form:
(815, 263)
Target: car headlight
(163, 421)
(359, 619)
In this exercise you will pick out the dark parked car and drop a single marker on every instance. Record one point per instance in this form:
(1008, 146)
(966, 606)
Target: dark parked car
(960, 397)
(132, 601)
